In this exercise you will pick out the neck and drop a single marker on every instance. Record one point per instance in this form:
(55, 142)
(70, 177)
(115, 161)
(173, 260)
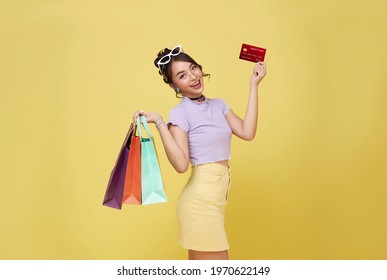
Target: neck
(198, 99)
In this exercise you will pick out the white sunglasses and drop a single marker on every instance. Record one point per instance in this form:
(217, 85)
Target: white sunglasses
(167, 58)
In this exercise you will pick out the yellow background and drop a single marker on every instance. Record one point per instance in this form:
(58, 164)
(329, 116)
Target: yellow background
(312, 185)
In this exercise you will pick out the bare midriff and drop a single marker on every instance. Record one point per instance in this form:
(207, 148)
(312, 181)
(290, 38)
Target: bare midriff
(223, 162)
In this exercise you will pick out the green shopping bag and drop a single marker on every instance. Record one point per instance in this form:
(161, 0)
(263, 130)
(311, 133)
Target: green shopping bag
(152, 186)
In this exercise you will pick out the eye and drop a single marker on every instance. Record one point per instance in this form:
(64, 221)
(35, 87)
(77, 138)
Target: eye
(182, 76)
(193, 68)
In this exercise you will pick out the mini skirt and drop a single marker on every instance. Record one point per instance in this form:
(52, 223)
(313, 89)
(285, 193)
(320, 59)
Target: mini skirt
(201, 208)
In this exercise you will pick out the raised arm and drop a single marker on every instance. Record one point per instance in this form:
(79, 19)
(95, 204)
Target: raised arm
(246, 128)
(174, 140)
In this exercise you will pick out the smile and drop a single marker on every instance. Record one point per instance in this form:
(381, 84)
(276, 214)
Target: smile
(196, 85)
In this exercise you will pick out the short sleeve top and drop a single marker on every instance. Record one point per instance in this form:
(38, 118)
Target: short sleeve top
(208, 132)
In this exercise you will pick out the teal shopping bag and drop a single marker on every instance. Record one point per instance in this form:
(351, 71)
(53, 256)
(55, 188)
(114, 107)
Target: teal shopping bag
(152, 186)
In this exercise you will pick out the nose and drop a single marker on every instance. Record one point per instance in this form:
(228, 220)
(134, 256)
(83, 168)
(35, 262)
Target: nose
(192, 76)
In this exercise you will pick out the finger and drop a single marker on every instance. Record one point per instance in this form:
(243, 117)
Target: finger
(261, 65)
(138, 113)
(259, 68)
(259, 71)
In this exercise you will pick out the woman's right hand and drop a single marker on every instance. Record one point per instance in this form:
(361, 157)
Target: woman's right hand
(151, 117)
(174, 140)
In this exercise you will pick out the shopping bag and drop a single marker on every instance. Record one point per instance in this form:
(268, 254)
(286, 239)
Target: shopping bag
(115, 188)
(132, 186)
(151, 181)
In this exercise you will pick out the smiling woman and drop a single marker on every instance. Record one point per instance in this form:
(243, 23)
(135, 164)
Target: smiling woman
(188, 79)
(199, 132)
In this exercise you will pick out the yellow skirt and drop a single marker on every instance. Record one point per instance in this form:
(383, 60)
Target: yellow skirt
(201, 208)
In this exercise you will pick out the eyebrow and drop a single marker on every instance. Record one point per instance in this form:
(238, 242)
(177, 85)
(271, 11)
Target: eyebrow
(182, 71)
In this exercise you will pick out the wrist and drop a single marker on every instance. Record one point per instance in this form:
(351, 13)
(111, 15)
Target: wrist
(157, 119)
(253, 88)
(161, 125)
(159, 122)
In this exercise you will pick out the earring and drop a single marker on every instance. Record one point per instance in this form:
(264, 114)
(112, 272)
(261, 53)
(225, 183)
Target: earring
(177, 90)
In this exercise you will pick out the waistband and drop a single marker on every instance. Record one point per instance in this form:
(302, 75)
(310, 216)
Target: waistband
(213, 166)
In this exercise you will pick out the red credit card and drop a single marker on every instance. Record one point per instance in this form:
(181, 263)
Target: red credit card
(252, 53)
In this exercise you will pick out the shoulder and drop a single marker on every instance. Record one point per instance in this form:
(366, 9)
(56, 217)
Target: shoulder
(179, 109)
(179, 116)
(216, 101)
(220, 103)
(180, 112)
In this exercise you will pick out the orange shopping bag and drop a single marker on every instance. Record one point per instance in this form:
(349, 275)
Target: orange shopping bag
(132, 186)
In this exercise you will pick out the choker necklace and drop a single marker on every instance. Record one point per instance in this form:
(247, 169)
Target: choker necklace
(199, 99)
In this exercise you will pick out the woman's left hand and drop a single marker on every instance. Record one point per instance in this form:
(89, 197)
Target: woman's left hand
(259, 72)
(151, 117)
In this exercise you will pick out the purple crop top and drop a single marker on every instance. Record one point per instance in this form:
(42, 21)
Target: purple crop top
(209, 134)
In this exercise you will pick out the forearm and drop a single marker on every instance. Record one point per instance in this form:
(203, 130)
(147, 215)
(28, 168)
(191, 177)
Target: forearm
(175, 153)
(249, 125)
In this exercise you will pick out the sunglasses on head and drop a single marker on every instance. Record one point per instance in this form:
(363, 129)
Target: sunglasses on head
(167, 58)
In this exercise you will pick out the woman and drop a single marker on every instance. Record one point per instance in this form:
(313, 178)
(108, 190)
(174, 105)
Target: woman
(199, 131)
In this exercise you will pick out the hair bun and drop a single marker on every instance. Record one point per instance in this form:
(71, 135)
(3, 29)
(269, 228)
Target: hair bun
(160, 55)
